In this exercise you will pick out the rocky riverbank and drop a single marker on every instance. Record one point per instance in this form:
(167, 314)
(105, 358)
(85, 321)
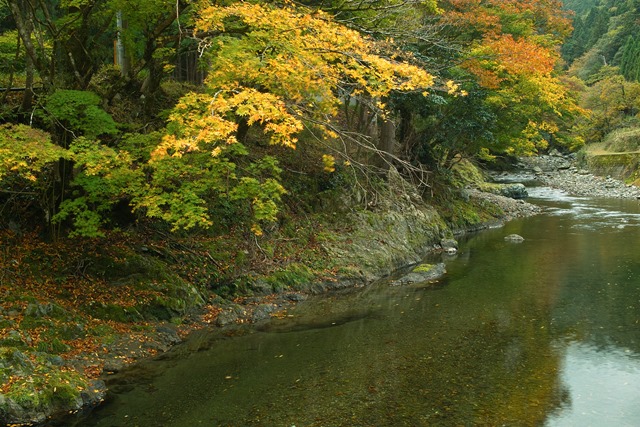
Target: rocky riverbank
(563, 172)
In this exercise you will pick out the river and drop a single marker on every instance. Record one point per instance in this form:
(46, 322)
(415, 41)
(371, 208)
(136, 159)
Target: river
(545, 332)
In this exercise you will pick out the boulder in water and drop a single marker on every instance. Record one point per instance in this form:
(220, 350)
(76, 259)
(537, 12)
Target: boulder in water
(449, 246)
(421, 273)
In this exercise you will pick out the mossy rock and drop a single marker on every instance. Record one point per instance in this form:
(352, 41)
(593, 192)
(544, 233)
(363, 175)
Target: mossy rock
(176, 297)
(113, 312)
(40, 389)
(48, 310)
(129, 267)
(466, 173)
(422, 268)
(421, 273)
(294, 276)
(53, 346)
(512, 190)
(13, 339)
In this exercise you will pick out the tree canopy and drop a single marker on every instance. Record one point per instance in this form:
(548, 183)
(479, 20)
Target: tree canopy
(206, 100)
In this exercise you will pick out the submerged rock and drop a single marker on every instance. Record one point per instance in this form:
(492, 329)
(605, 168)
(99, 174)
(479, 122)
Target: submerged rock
(94, 394)
(516, 238)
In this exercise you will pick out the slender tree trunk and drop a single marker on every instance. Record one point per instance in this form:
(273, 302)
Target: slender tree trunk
(121, 53)
(24, 20)
(27, 96)
(387, 141)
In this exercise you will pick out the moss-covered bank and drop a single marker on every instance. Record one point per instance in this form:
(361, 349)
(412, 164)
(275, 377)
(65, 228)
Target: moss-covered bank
(623, 166)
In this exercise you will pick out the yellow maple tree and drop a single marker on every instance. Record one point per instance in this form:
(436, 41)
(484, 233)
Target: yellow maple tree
(277, 67)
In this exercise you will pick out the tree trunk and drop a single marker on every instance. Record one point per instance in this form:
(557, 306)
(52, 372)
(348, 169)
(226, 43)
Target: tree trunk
(27, 96)
(25, 23)
(387, 141)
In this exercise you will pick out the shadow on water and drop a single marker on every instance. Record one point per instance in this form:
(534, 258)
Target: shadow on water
(541, 333)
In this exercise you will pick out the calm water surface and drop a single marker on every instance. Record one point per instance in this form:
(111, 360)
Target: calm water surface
(541, 333)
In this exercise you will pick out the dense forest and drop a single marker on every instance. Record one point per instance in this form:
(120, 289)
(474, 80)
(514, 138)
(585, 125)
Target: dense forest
(208, 107)
(224, 144)
(196, 115)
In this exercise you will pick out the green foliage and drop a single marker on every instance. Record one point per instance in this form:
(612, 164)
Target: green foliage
(24, 151)
(205, 182)
(579, 6)
(263, 194)
(614, 103)
(104, 176)
(140, 18)
(623, 139)
(78, 112)
(275, 71)
(603, 37)
(8, 46)
(630, 61)
(448, 128)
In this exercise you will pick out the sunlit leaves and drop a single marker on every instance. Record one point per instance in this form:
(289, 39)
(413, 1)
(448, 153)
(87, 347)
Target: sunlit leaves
(271, 69)
(24, 151)
(300, 58)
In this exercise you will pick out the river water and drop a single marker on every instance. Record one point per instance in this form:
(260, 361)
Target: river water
(545, 332)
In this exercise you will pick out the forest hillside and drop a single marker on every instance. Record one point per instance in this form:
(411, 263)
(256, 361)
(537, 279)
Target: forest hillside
(603, 55)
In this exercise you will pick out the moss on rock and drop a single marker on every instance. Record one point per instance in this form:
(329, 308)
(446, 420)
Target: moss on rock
(422, 268)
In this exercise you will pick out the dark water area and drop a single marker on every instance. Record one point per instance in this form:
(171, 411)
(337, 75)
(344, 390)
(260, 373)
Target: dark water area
(540, 333)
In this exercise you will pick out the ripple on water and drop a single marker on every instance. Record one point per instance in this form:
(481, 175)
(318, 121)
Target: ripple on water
(548, 193)
(587, 213)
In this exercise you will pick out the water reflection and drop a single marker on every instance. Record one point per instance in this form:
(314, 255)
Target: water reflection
(604, 385)
(525, 334)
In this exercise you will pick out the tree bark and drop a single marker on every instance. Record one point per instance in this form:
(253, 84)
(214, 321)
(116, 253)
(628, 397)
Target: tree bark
(23, 17)
(387, 141)
(27, 96)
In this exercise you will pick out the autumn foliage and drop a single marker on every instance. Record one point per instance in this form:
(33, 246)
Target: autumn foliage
(350, 82)
(513, 54)
(276, 69)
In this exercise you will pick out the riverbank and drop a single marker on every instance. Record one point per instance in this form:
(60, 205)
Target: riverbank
(102, 308)
(563, 172)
